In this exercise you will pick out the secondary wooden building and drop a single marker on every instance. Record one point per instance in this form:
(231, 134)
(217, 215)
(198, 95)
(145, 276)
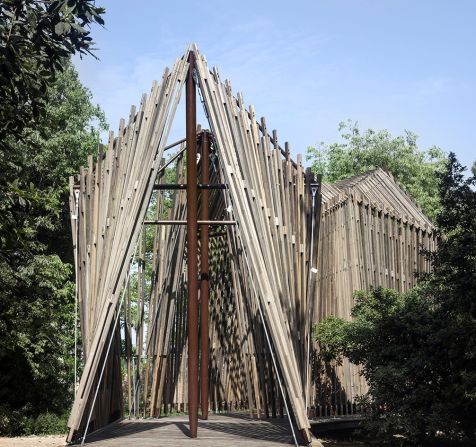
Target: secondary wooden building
(371, 234)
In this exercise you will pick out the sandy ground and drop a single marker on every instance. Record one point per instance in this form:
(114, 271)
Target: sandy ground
(34, 441)
(58, 441)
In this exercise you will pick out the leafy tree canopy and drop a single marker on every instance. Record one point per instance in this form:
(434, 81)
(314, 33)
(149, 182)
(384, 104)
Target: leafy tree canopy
(36, 292)
(36, 37)
(48, 126)
(36, 40)
(359, 152)
(418, 349)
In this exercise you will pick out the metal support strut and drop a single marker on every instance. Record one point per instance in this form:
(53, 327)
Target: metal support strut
(192, 246)
(314, 188)
(204, 276)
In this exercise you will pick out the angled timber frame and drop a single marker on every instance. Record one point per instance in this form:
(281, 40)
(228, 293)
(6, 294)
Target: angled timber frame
(250, 219)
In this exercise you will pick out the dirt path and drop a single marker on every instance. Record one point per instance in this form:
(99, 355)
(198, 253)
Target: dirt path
(34, 441)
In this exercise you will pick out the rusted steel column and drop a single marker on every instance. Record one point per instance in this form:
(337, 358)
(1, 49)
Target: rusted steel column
(192, 246)
(205, 280)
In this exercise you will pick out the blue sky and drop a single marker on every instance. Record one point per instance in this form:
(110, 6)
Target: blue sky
(305, 65)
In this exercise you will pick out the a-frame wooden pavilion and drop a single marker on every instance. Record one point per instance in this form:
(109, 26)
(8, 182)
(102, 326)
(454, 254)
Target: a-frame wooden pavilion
(153, 301)
(283, 252)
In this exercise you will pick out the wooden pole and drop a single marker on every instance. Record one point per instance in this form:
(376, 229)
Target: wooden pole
(192, 247)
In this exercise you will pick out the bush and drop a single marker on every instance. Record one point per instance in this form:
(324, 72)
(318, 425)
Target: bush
(19, 422)
(13, 422)
(49, 424)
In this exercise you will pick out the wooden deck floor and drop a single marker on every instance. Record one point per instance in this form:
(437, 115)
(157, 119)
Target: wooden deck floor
(219, 430)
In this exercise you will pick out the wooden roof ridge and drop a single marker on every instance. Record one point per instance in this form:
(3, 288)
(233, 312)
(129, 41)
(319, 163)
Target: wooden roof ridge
(355, 179)
(115, 139)
(379, 189)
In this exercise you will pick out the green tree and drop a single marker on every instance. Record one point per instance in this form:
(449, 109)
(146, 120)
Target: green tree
(418, 349)
(36, 37)
(413, 168)
(36, 291)
(45, 134)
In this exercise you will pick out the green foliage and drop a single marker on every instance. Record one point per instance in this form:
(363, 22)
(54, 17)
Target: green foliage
(49, 424)
(359, 152)
(36, 291)
(389, 336)
(332, 333)
(452, 290)
(47, 128)
(36, 40)
(37, 167)
(37, 37)
(16, 422)
(13, 422)
(418, 349)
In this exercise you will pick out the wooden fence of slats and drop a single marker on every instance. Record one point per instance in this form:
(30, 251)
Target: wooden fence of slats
(371, 234)
(261, 187)
(113, 200)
